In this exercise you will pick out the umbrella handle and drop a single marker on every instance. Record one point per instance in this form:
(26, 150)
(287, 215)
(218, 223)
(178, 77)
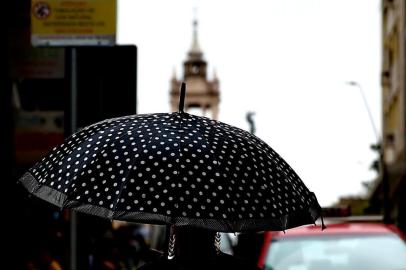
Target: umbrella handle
(182, 97)
(170, 242)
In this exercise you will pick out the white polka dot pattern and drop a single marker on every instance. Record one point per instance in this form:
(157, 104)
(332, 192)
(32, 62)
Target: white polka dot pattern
(174, 169)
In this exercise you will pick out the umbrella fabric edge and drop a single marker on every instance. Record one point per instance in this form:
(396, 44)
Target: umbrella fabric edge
(294, 219)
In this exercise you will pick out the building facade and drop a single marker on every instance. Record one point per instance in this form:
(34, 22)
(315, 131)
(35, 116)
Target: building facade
(201, 92)
(394, 105)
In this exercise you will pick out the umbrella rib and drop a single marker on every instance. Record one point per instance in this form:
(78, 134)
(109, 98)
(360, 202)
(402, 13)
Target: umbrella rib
(69, 188)
(69, 192)
(121, 188)
(122, 184)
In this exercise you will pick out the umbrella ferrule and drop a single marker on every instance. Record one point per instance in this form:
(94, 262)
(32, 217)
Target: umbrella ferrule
(182, 97)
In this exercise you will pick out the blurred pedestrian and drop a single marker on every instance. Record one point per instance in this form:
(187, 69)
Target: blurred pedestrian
(106, 253)
(249, 246)
(46, 261)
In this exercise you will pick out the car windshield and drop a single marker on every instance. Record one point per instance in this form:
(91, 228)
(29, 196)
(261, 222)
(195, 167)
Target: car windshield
(352, 252)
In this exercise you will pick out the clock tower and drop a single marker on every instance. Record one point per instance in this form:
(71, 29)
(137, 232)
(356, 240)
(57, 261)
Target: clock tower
(201, 93)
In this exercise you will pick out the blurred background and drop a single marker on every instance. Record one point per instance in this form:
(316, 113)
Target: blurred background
(322, 82)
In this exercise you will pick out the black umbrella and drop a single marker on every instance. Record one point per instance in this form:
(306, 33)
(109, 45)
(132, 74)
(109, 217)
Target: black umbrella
(174, 168)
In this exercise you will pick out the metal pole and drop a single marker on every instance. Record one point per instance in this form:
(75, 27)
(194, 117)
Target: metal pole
(383, 170)
(371, 119)
(73, 127)
(385, 188)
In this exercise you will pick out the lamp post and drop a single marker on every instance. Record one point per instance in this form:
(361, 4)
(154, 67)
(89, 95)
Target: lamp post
(251, 122)
(383, 170)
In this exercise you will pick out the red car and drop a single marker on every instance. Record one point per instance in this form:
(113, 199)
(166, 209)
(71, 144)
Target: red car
(349, 245)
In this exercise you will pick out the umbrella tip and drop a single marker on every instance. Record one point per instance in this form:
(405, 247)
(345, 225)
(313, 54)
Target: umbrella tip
(182, 97)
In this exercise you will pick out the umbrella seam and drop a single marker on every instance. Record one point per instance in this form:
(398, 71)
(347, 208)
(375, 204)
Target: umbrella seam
(123, 183)
(180, 126)
(217, 165)
(69, 188)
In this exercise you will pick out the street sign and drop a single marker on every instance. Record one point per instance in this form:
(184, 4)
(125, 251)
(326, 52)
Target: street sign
(73, 22)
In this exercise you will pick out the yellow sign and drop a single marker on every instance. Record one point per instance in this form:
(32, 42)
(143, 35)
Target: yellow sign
(73, 22)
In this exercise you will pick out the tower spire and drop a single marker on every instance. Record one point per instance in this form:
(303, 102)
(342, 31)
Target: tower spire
(195, 51)
(195, 43)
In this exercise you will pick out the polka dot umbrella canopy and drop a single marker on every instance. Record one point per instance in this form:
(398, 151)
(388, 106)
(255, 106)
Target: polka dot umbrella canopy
(175, 169)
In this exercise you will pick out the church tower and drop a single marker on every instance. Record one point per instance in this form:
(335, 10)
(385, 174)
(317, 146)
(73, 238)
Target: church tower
(201, 92)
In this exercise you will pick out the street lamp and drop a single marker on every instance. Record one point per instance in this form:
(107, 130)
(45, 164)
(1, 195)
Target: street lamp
(251, 122)
(371, 119)
(383, 170)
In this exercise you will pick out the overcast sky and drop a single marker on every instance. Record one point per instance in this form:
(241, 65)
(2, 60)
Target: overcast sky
(286, 60)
